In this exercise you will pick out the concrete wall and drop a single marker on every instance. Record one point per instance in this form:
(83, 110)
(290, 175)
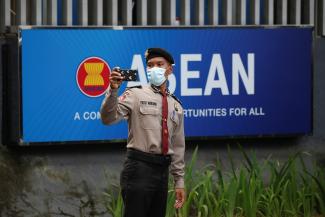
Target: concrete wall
(63, 180)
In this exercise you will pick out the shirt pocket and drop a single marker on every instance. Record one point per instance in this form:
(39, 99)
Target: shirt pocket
(150, 117)
(174, 121)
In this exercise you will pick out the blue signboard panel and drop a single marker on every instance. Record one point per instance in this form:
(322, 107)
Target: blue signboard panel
(231, 81)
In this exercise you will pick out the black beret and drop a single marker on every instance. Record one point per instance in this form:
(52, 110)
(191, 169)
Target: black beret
(158, 52)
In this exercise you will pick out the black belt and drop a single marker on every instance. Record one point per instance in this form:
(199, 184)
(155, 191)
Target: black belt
(163, 160)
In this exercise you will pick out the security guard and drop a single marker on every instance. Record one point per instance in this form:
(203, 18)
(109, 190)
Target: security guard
(155, 138)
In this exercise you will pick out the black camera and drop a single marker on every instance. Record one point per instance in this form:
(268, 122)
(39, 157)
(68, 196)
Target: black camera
(129, 74)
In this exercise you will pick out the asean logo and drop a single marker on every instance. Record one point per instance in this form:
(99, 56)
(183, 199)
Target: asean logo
(93, 76)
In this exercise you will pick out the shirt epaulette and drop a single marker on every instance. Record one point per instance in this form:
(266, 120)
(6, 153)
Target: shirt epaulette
(137, 86)
(178, 100)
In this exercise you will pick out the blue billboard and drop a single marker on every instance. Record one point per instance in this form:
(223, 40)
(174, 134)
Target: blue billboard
(231, 81)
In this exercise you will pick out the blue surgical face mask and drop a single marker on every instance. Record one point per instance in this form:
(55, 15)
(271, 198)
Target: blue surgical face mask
(156, 75)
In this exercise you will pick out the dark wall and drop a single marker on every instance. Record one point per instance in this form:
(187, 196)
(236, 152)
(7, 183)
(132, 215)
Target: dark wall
(47, 179)
(319, 88)
(1, 80)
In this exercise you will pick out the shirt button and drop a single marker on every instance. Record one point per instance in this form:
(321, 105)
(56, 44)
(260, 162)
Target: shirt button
(165, 119)
(165, 131)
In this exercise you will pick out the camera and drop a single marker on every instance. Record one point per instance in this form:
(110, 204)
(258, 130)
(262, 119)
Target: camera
(129, 74)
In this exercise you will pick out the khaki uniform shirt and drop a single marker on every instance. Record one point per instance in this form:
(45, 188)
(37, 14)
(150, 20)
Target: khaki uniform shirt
(142, 108)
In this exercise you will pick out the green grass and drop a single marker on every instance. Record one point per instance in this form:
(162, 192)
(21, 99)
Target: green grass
(268, 189)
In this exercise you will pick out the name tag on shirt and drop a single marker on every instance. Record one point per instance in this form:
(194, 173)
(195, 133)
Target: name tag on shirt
(148, 103)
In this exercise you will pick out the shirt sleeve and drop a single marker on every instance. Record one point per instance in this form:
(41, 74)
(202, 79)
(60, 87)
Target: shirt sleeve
(114, 108)
(178, 164)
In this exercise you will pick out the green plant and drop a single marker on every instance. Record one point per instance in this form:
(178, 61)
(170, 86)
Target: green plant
(254, 189)
(113, 200)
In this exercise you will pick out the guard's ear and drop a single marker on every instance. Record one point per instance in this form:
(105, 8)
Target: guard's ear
(169, 69)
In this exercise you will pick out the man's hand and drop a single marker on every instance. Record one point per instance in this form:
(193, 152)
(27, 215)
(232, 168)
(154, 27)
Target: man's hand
(116, 78)
(180, 197)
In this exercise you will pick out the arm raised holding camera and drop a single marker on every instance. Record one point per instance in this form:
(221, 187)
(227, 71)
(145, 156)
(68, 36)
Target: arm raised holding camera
(114, 109)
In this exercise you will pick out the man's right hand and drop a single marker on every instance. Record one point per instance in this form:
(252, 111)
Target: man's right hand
(116, 79)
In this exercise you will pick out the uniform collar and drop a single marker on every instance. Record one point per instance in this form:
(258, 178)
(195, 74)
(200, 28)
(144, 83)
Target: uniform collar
(156, 89)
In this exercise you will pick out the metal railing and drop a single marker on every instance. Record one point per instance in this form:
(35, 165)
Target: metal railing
(162, 12)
